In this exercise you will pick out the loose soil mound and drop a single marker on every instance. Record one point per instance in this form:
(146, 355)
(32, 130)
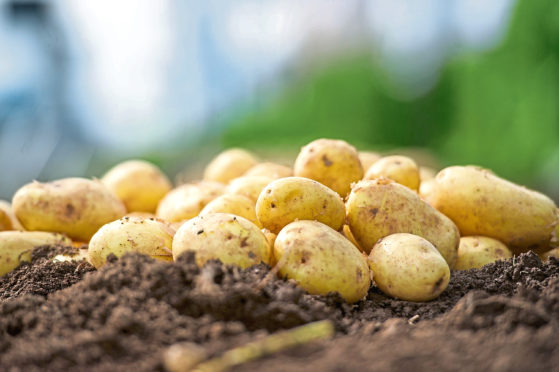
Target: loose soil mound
(122, 317)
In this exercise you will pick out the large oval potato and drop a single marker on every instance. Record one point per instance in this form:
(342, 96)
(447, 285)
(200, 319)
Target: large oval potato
(408, 267)
(186, 201)
(151, 237)
(382, 207)
(477, 251)
(333, 163)
(321, 260)
(398, 168)
(481, 203)
(238, 205)
(222, 236)
(272, 170)
(296, 198)
(16, 246)
(139, 184)
(77, 207)
(229, 164)
(249, 186)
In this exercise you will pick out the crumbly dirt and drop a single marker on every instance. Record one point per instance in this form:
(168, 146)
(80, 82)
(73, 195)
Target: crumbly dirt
(66, 316)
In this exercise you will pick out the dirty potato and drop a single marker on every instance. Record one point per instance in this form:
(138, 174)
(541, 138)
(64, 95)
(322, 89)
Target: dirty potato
(131, 234)
(238, 205)
(321, 260)
(231, 239)
(229, 164)
(77, 207)
(477, 251)
(249, 186)
(296, 198)
(408, 267)
(481, 203)
(271, 170)
(333, 163)
(398, 168)
(381, 207)
(368, 158)
(186, 201)
(139, 184)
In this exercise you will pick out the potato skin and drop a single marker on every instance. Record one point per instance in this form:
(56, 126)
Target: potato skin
(333, 163)
(272, 170)
(238, 205)
(321, 260)
(408, 267)
(229, 164)
(296, 198)
(139, 184)
(231, 239)
(477, 251)
(249, 186)
(77, 207)
(131, 234)
(398, 168)
(16, 246)
(368, 158)
(381, 207)
(8, 220)
(481, 203)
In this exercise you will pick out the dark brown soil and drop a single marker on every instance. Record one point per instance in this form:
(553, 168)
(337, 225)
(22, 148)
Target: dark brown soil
(502, 317)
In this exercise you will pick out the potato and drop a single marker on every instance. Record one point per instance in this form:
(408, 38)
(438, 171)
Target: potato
(238, 205)
(271, 238)
(425, 188)
(381, 207)
(296, 198)
(408, 267)
(333, 163)
(368, 158)
(271, 170)
(321, 260)
(229, 164)
(477, 251)
(249, 186)
(16, 246)
(231, 239)
(77, 207)
(8, 220)
(426, 173)
(481, 203)
(552, 253)
(131, 234)
(139, 184)
(401, 169)
(186, 201)
(346, 231)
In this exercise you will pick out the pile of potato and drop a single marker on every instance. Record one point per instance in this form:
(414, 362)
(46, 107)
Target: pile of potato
(333, 222)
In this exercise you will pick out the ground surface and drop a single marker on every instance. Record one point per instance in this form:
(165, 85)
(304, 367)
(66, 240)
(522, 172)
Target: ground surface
(66, 316)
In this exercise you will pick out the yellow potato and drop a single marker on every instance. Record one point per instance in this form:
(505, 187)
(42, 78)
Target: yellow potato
(16, 246)
(229, 164)
(139, 184)
(249, 186)
(480, 203)
(77, 207)
(552, 253)
(333, 163)
(271, 238)
(408, 267)
(477, 251)
(321, 260)
(296, 198)
(231, 239)
(272, 170)
(426, 173)
(238, 205)
(186, 201)
(131, 234)
(8, 220)
(401, 169)
(425, 188)
(368, 158)
(381, 207)
(346, 231)
(140, 215)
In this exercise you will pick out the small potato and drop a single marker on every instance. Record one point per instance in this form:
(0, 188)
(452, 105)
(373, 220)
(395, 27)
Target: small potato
(271, 170)
(346, 231)
(408, 267)
(477, 251)
(8, 220)
(131, 234)
(222, 236)
(77, 207)
(16, 246)
(271, 237)
(249, 186)
(229, 164)
(296, 198)
(381, 207)
(425, 188)
(186, 201)
(481, 203)
(368, 158)
(401, 169)
(333, 163)
(139, 184)
(321, 260)
(427, 173)
(238, 205)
